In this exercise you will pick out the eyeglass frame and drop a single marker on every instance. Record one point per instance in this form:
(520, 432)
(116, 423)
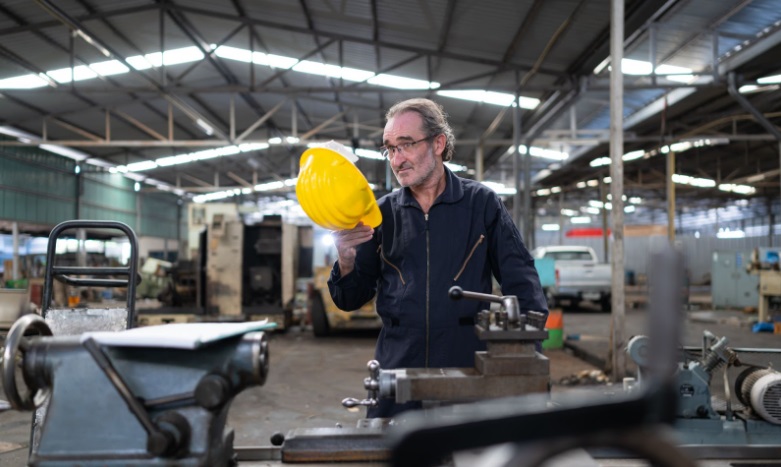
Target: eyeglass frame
(387, 151)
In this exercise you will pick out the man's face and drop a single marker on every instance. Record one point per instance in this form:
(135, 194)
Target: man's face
(416, 165)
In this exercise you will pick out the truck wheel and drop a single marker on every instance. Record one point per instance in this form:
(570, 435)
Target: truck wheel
(318, 316)
(605, 303)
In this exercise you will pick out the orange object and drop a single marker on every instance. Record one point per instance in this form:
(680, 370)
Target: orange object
(555, 320)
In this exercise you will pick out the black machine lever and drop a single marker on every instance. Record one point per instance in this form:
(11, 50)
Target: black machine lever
(160, 442)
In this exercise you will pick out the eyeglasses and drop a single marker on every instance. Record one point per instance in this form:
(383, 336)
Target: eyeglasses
(403, 148)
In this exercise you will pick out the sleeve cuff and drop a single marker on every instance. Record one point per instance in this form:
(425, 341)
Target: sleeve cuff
(345, 282)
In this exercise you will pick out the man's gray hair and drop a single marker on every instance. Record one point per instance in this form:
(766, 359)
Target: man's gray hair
(434, 121)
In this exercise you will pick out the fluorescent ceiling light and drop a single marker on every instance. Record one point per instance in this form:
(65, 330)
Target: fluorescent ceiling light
(693, 181)
(630, 208)
(632, 155)
(740, 189)
(581, 220)
(541, 152)
(551, 227)
(569, 212)
(775, 79)
(204, 126)
(727, 233)
(591, 210)
(542, 192)
(600, 161)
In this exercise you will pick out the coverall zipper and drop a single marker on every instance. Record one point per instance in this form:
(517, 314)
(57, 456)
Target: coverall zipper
(382, 255)
(428, 285)
(461, 271)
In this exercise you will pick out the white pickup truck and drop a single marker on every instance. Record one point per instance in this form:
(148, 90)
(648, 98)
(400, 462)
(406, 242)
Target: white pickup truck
(579, 276)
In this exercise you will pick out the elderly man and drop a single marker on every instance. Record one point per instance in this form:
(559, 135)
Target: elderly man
(438, 231)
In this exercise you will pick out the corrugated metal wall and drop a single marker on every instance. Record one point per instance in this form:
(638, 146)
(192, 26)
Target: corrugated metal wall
(41, 188)
(697, 251)
(36, 187)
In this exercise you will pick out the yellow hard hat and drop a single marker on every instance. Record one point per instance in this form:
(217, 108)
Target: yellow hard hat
(333, 192)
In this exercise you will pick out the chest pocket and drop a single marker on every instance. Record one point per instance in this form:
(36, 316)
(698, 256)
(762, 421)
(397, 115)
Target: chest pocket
(469, 256)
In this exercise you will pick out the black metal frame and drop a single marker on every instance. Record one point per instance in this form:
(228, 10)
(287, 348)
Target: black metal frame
(61, 273)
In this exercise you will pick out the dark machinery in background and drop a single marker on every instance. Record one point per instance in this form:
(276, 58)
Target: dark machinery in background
(251, 269)
(745, 418)
(261, 275)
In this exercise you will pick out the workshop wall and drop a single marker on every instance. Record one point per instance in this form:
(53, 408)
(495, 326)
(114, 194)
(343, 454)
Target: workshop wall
(36, 187)
(42, 188)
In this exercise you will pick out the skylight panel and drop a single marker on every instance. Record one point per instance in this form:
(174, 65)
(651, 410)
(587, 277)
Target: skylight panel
(80, 73)
(316, 68)
(173, 57)
(399, 82)
(65, 151)
(234, 53)
(140, 166)
(490, 97)
(139, 62)
(23, 82)
(108, 68)
(274, 61)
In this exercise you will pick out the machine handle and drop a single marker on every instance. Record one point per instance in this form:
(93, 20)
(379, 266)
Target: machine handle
(160, 442)
(508, 302)
(371, 384)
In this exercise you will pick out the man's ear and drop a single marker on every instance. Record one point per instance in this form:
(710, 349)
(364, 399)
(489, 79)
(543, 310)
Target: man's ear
(440, 141)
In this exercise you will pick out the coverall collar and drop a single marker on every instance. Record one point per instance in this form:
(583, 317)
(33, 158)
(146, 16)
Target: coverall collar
(453, 191)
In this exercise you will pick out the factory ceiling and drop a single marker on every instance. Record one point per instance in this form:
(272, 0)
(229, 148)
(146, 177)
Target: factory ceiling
(243, 86)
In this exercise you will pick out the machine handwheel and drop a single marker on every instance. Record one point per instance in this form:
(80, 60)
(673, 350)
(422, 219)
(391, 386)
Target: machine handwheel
(14, 344)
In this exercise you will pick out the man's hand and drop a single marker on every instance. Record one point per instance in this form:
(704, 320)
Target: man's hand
(346, 241)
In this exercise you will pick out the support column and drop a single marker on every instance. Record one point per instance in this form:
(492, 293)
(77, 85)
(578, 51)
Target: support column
(479, 162)
(15, 267)
(670, 197)
(517, 170)
(617, 189)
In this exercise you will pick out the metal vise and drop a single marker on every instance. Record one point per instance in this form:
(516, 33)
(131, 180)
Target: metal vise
(511, 365)
(113, 404)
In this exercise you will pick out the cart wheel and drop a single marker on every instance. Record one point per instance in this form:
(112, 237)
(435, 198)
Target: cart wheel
(318, 316)
(15, 345)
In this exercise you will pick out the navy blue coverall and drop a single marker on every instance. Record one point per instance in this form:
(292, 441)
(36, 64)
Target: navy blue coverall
(412, 261)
